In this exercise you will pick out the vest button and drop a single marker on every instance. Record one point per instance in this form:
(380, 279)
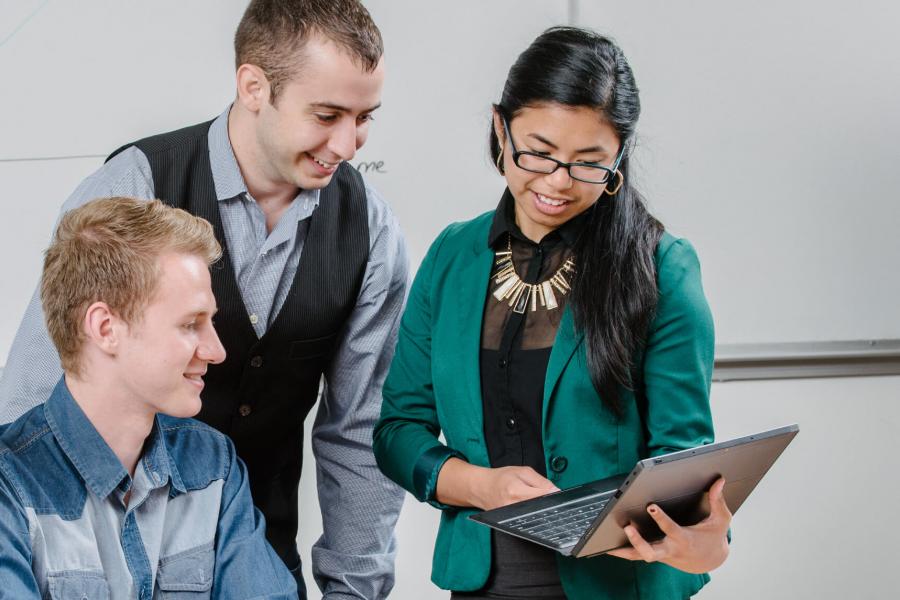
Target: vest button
(511, 423)
(244, 410)
(559, 463)
(256, 361)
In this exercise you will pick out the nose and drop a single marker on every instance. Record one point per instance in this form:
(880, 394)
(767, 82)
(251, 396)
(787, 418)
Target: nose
(343, 140)
(211, 349)
(560, 179)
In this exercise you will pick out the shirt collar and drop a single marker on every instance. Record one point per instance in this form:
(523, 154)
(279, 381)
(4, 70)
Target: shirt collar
(157, 459)
(505, 223)
(226, 173)
(94, 460)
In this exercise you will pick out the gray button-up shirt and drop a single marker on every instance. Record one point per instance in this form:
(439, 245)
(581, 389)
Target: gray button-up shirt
(355, 555)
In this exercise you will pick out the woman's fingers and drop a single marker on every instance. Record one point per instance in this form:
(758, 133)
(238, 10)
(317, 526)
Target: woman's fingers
(646, 551)
(694, 549)
(534, 479)
(717, 505)
(665, 523)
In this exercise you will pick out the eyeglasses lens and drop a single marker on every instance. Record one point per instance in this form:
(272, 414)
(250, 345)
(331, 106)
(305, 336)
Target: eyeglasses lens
(541, 164)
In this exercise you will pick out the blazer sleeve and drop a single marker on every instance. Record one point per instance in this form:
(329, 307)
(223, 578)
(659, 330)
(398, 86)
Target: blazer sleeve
(406, 442)
(678, 359)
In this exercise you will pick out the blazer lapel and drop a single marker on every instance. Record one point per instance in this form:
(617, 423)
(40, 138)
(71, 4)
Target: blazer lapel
(567, 341)
(474, 278)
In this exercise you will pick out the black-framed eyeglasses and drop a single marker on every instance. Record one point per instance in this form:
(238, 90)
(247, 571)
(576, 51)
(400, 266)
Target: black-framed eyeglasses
(580, 171)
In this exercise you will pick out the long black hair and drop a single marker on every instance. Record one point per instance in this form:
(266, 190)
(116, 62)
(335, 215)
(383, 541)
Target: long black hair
(614, 292)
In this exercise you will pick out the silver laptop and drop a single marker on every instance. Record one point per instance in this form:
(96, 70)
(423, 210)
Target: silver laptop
(589, 519)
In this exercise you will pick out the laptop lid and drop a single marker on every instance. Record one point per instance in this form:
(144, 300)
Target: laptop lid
(678, 482)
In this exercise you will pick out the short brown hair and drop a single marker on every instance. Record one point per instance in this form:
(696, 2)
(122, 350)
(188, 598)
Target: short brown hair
(272, 33)
(107, 250)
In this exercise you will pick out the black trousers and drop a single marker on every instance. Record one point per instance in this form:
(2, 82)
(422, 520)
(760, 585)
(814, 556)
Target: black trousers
(519, 570)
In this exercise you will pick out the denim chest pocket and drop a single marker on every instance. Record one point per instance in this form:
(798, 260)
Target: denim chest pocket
(77, 585)
(187, 575)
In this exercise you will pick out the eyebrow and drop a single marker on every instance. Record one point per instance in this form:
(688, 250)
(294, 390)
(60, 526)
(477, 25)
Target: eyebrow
(544, 140)
(338, 107)
(202, 313)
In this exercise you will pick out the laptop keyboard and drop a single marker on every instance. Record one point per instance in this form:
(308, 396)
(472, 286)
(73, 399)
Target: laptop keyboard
(560, 526)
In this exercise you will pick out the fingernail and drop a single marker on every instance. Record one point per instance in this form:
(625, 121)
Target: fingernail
(651, 509)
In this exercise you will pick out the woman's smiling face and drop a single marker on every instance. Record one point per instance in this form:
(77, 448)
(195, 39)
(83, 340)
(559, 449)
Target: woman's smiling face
(568, 134)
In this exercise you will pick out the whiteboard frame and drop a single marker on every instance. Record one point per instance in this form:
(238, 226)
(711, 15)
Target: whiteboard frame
(799, 360)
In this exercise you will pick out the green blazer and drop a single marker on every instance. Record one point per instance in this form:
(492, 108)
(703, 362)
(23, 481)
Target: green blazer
(434, 386)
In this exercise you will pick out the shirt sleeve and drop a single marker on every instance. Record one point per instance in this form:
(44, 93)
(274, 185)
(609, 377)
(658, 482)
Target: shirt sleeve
(246, 565)
(406, 437)
(17, 580)
(32, 366)
(678, 361)
(354, 558)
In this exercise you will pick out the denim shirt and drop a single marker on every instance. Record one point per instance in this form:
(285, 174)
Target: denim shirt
(189, 528)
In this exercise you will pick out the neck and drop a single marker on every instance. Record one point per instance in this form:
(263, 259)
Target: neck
(532, 231)
(264, 185)
(122, 425)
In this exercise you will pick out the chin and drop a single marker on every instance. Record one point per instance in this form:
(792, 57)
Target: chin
(184, 409)
(313, 182)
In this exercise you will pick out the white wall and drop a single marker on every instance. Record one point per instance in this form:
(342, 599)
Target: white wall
(80, 79)
(820, 524)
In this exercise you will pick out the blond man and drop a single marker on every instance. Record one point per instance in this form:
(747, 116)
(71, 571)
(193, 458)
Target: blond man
(109, 489)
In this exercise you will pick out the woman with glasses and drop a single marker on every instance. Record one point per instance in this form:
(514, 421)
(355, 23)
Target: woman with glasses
(554, 341)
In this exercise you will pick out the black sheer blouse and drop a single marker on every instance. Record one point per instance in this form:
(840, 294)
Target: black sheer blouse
(515, 347)
(515, 350)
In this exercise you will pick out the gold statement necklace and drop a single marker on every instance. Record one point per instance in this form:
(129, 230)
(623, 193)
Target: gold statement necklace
(520, 294)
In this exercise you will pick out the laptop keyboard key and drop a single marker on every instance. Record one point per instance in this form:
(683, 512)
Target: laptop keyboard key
(560, 526)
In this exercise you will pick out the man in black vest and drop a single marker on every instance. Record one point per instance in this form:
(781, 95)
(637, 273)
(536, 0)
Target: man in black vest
(310, 287)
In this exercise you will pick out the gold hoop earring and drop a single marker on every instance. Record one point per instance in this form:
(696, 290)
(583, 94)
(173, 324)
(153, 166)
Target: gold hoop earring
(500, 158)
(621, 179)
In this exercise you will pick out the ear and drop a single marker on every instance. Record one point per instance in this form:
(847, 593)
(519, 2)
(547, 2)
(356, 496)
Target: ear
(102, 328)
(498, 127)
(253, 87)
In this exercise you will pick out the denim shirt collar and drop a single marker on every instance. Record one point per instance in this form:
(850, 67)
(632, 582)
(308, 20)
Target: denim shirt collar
(95, 461)
(158, 461)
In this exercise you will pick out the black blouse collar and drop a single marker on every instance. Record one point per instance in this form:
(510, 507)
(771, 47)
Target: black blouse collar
(505, 223)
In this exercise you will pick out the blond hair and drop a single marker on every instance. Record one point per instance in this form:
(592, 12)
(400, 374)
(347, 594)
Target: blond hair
(107, 251)
(272, 33)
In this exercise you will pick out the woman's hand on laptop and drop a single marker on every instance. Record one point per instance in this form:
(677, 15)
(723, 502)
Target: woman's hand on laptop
(694, 549)
(462, 484)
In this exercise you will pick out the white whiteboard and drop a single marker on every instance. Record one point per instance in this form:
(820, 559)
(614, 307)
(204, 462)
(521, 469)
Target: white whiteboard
(793, 248)
(770, 137)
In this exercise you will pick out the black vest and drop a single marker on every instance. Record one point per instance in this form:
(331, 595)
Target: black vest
(262, 392)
